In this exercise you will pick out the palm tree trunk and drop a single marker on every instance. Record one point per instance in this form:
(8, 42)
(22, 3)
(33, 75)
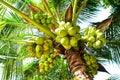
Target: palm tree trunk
(77, 66)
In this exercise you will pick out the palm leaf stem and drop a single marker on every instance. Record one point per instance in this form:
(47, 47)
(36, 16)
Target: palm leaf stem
(74, 11)
(83, 4)
(7, 57)
(18, 24)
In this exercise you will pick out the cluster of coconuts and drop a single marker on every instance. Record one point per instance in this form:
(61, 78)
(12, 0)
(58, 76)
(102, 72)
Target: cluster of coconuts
(43, 49)
(44, 46)
(67, 35)
(47, 63)
(40, 47)
(42, 18)
(31, 50)
(91, 63)
(93, 37)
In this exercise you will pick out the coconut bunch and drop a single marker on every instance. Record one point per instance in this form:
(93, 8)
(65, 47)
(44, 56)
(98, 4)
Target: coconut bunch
(91, 63)
(41, 18)
(47, 63)
(67, 35)
(93, 37)
(40, 47)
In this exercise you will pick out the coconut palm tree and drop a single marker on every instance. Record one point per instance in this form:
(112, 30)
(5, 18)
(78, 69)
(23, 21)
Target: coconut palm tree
(20, 29)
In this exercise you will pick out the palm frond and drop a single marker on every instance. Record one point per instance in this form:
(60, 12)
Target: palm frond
(7, 70)
(115, 51)
(12, 70)
(113, 3)
(10, 35)
(60, 7)
(114, 77)
(89, 12)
